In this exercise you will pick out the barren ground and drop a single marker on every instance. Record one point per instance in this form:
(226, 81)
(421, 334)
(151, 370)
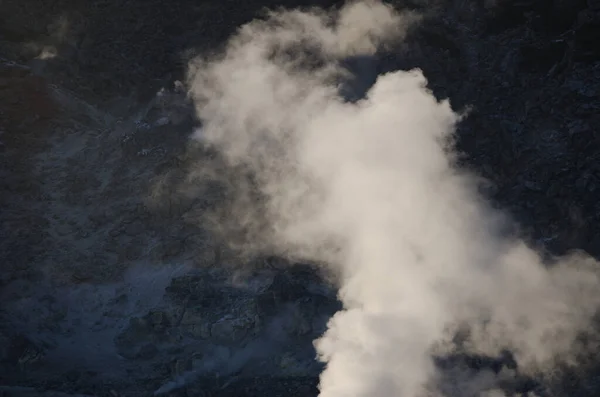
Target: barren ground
(109, 285)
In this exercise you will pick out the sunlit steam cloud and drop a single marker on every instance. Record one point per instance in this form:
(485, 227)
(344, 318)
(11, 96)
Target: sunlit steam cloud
(370, 189)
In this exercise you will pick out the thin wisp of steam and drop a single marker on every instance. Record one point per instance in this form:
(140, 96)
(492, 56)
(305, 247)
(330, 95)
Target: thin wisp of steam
(370, 188)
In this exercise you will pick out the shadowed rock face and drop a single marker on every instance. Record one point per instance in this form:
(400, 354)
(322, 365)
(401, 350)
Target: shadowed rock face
(27, 104)
(114, 47)
(550, 16)
(110, 286)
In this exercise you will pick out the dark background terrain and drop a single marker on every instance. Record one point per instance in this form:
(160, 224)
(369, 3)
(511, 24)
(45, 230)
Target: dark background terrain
(99, 252)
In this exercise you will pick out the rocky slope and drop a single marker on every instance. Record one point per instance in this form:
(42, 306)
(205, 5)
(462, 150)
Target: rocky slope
(111, 286)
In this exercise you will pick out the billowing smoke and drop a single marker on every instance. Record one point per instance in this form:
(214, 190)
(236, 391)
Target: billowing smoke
(370, 188)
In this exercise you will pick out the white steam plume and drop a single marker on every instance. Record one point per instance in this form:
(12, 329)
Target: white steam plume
(370, 189)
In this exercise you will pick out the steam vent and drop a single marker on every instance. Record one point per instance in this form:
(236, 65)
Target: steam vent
(299, 198)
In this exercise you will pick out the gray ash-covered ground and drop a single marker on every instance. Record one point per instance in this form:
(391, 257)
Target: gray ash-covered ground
(109, 286)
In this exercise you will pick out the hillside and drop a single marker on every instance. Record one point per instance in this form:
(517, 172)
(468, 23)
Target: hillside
(116, 280)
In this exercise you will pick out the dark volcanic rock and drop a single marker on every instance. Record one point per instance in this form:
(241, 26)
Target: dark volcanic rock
(94, 152)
